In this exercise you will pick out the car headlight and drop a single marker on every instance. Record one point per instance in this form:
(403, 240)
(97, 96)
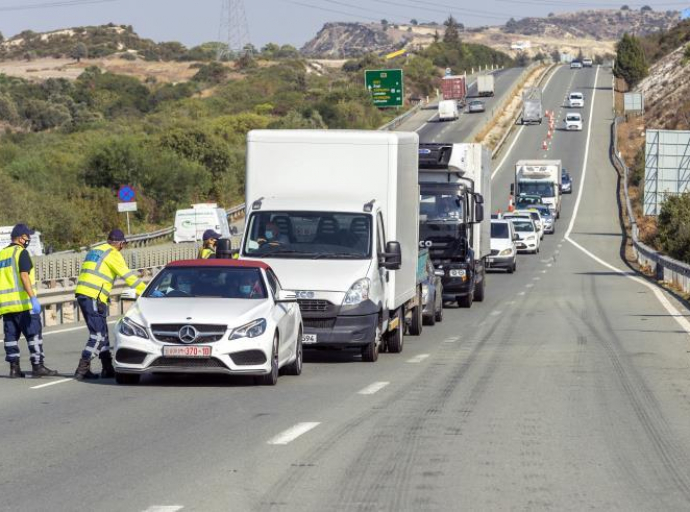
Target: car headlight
(506, 252)
(250, 330)
(358, 292)
(425, 293)
(131, 328)
(531, 237)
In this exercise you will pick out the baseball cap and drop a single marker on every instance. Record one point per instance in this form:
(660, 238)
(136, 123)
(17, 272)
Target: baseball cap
(116, 235)
(21, 229)
(209, 233)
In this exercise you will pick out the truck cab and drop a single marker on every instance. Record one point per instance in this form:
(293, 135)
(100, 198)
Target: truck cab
(542, 178)
(451, 218)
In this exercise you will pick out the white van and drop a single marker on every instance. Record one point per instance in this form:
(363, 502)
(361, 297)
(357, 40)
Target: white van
(35, 247)
(191, 223)
(448, 110)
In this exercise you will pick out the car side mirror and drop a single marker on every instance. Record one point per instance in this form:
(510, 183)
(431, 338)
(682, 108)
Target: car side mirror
(512, 189)
(392, 258)
(515, 238)
(285, 296)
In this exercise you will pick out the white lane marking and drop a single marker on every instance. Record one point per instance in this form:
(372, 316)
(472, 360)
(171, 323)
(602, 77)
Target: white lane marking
(530, 285)
(164, 508)
(71, 329)
(658, 293)
(61, 381)
(373, 388)
(452, 340)
(496, 313)
(536, 278)
(549, 265)
(418, 359)
(294, 432)
(521, 293)
(517, 136)
(543, 271)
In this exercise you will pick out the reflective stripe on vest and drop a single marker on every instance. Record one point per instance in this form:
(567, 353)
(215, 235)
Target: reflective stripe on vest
(92, 281)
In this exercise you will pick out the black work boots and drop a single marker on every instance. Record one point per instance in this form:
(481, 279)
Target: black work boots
(16, 371)
(84, 372)
(39, 370)
(107, 370)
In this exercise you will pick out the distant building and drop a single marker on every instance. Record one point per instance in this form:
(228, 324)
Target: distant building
(521, 45)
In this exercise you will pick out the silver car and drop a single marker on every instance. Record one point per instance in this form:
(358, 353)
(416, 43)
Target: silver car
(476, 106)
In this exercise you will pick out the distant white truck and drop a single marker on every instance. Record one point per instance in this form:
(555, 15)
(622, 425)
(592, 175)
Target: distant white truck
(336, 214)
(542, 178)
(190, 223)
(35, 246)
(485, 85)
(448, 110)
(532, 112)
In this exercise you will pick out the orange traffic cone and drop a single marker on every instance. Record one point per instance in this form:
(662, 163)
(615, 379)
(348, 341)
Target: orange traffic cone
(548, 134)
(544, 145)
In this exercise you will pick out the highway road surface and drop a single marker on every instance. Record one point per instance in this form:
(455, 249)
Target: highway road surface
(568, 388)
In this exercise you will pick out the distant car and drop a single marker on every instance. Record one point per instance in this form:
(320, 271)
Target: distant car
(526, 200)
(211, 316)
(432, 295)
(535, 216)
(503, 246)
(576, 64)
(528, 237)
(476, 106)
(573, 121)
(576, 100)
(587, 63)
(566, 182)
(546, 216)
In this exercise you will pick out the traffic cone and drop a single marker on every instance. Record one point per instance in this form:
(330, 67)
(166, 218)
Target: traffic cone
(548, 134)
(544, 145)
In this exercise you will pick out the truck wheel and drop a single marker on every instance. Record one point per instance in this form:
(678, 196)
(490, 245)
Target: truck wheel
(430, 320)
(395, 338)
(417, 317)
(479, 292)
(370, 352)
(512, 268)
(466, 301)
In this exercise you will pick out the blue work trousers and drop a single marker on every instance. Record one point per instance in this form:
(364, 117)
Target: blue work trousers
(16, 324)
(95, 314)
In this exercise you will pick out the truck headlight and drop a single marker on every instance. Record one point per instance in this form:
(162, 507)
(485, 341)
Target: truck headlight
(250, 330)
(131, 328)
(358, 292)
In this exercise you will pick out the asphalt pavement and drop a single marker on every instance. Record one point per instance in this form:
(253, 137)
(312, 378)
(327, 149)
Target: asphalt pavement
(566, 389)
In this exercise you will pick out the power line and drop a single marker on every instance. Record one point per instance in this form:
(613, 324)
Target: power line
(233, 29)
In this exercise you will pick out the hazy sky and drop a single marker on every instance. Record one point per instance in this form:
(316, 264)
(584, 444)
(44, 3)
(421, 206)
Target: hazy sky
(281, 21)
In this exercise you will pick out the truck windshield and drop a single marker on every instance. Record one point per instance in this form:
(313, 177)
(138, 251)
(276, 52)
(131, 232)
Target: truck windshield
(316, 235)
(542, 188)
(441, 207)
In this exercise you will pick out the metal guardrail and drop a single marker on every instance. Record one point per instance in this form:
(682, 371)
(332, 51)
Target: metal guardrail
(392, 125)
(664, 268)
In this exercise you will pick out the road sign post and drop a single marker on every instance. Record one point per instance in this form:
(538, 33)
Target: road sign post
(127, 197)
(385, 86)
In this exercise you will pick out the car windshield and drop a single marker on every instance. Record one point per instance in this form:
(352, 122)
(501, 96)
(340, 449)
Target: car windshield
(572, 117)
(317, 235)
(575, 96)
(499, 230)
(441, 207)
(540, 188)
(523, 226)
(208, 282)
(476, 103)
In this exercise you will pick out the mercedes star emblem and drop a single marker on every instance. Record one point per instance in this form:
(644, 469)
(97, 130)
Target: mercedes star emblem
(188, 334)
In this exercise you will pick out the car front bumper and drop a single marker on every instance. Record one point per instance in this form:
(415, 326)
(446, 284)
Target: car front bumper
(523, 245)
(500, 261)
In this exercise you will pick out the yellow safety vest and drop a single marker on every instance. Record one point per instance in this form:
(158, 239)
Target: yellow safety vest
(13, 296)
(102, 265)
(205, 253)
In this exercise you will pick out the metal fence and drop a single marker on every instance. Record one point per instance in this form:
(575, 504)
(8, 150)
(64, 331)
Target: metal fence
(664, 269)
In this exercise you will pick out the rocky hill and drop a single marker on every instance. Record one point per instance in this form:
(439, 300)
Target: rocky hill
(593, 32)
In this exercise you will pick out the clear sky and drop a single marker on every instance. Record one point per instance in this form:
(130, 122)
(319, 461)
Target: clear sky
(282, 21)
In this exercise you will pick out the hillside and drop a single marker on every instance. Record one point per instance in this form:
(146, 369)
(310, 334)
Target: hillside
(594, 32)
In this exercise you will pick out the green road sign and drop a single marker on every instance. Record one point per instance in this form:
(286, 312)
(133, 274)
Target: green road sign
(385, 86)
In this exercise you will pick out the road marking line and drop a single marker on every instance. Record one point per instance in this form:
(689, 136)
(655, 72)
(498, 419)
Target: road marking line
(452, 340)
(418, 359)
(294, 432)
(71, 329)
(496, 312)
(510, 302)
(536, 278)
(530, 285)
(658, 293)
(61, 381)
(521, 293)
(543, 271)
(517, 136)
(164, 508)
(549, 264)
(373, 388)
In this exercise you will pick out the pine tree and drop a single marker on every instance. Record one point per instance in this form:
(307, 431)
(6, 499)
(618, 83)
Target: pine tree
(631, 63)
(452, 34)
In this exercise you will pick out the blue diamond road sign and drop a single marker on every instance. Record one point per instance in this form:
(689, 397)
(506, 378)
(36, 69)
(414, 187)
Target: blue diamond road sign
(126, 194)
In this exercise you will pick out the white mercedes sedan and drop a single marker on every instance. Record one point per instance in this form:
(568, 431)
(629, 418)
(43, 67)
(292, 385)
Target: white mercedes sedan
(211, 316)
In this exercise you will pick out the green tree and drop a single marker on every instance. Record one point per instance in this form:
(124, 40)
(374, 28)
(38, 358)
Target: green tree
(452, 33)
(631, 64)
(384, 24)
(211, 73)
(414, 22)
(646, 8)
(674, 227)
(625, 8)
(421, 73)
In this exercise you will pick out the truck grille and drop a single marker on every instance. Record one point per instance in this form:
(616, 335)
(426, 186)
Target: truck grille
(319, 323)
(313, 305)
(494, 252)
(170, 333)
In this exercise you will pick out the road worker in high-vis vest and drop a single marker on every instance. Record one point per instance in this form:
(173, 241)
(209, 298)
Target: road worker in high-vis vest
(102, 265)
(208, 249)
(19, 306)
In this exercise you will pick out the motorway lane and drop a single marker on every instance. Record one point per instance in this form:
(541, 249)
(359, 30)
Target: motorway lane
(461, 130)
(566, 389)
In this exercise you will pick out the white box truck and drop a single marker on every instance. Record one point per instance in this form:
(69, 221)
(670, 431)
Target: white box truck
(455, 188)
(485, 85)
(448, 110)
(190, 223)
(335, 214)
(532, 111)
(542, 178)
(35, 246)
